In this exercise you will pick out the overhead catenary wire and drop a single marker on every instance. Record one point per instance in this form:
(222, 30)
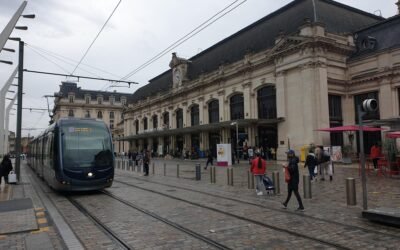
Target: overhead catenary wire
(194, 32)
(70, 61)
(104, 25)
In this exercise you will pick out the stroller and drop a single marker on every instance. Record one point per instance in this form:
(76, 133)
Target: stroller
(269, 185)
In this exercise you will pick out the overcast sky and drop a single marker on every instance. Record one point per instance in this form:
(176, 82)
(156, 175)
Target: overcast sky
(137, 31)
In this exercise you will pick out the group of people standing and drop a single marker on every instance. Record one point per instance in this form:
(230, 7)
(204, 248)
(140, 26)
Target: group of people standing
(319, 161)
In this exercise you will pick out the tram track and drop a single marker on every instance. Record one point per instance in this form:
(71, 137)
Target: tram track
(302, 215)
(242, 218)
(108, 231)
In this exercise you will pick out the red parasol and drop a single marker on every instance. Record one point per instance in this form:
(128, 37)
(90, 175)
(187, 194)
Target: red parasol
(349, 128)
(393, 134)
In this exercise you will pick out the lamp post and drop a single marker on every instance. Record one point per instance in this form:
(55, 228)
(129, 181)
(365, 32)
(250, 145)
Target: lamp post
(237, 139)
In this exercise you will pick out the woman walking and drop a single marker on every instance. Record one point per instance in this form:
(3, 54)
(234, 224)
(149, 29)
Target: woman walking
(5, 168)
(293, 183)
(258, 167)
(311, 163)
(210, 159)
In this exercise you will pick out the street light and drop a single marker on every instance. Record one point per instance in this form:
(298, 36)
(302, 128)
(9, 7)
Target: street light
(237, 139)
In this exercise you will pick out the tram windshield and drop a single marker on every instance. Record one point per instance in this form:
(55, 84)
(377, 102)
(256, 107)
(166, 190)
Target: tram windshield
(86, 145)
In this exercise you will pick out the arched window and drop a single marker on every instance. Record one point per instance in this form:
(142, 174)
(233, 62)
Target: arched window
(155, 121)
(112, 115)
(99, 115)
(213, 111)
(194, 115)
(87, 114)
(145, 125)
(266, 101)
(237, 107)
(137, 127)
(166, 120)
(179, 118)
(70, 113)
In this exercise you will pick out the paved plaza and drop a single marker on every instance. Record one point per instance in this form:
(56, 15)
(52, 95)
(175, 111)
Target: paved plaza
(211, 215)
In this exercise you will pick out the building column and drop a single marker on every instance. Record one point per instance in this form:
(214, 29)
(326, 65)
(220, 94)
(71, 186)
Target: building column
(186, 115)
(281, 113)
(385, 100)
(247, 100)
(201, 110)
(221, 102)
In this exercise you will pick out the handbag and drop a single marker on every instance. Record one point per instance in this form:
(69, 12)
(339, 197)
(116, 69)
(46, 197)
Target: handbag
(316, 170)
(287, 175)
(12, 177)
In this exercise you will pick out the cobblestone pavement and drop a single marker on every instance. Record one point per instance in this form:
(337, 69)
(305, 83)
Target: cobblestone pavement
(327, 214)
(43, 225)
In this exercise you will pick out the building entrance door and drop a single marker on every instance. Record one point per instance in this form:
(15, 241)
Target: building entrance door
(268, 140)
(214, 138)
(179, 145)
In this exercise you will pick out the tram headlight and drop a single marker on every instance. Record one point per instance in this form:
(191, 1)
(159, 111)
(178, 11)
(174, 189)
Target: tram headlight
(90, 174)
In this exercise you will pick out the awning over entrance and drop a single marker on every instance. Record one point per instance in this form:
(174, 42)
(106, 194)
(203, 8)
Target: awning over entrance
(200, 128)
(393, 135)
(349, 128)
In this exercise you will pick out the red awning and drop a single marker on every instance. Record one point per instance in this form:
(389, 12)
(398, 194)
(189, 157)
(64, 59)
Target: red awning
(393, 134)
(349, 128)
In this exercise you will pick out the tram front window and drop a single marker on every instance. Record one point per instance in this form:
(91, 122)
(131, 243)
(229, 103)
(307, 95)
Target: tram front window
(86, 145)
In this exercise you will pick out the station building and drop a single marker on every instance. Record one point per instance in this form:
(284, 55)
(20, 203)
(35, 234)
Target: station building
(73, 101)
(303, 67)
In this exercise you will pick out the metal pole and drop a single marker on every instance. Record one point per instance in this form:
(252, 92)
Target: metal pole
(165, 169)
(213, 171)
(275, 179)
(177, 170)
(231, 176)
(237, 141)
(362, 158)
(351, 191)
(307, 187)
(198, 172)
(152, 168)
(19, 108)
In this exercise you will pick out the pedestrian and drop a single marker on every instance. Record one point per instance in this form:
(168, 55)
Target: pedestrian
(311, 163)
(293, 184)
(5, 168)
(210, 159)
(258, 167)
(146, 162)
(323, 160)
(375, 154)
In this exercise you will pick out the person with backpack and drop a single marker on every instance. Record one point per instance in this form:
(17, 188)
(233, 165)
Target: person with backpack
(293, 182)
(323, 161)
(210, 159)
(311, 163)
(146, 162)
(5, 168)
(258, 167)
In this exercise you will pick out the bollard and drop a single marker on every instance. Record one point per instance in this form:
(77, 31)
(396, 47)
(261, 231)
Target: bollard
(214, 175)
(231, 176)
(165, 169)
(275, 179)
(177, 170)
(198, 172)
(351, 192)
(307, 187)
(211, 174)
(250, 180)
(152, 168)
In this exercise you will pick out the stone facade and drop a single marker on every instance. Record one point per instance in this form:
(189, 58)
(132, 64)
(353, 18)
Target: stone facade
(72, 101)
(310, 78)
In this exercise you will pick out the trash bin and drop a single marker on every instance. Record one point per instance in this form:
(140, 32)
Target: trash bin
(303, 153)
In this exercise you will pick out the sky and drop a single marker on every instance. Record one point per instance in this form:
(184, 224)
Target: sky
(138, 30)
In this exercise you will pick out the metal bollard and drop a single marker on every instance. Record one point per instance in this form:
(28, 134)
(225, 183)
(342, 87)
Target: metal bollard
(214, 175)
(198, 172)
(307, 187)
(152, 168)
(229, 175)
(165, 169)
(177, 170)
(250, 180)
(275, 179)
(351, 192)
(211, 174)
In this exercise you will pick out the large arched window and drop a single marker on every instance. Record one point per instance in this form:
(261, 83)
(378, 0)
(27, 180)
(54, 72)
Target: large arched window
(179, 118)
(145, 125)
(155, 121)
(237, 107)
(213, 111)
(194, 115)
(99, 115)
(266, 102)
(166, 120)
(137, 127)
